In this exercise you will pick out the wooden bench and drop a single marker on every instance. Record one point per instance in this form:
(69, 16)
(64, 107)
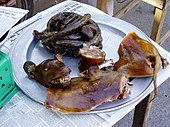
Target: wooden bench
(159, 16)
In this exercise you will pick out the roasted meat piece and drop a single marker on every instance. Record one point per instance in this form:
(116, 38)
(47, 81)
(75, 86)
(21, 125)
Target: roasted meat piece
(50, 73)
(66, 32)
(87, 92)
(90, 56)
(138, 58)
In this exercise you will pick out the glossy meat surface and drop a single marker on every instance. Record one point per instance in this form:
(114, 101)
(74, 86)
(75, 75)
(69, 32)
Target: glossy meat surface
(90, 56)
(86, 93)
(49, 73)
(137, 57)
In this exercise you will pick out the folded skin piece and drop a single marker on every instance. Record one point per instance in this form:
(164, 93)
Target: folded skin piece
(88, 92)
(139, 58)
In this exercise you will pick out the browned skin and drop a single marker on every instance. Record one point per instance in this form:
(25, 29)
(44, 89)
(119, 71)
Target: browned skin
(90, 56)
(49, 73)
(86, 93)
(138, 58)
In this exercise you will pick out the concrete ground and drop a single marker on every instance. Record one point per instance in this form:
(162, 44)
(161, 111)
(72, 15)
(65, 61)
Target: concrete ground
(142, 17)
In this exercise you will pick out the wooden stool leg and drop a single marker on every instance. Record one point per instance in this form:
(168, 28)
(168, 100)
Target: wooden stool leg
(106, 6)
(101, 4)
(142, 111)
(158, 24)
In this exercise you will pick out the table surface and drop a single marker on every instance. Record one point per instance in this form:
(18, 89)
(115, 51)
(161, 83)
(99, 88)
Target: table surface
(23, 111)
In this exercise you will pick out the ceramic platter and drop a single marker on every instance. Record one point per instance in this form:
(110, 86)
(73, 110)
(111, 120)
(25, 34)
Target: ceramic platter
(27, 48)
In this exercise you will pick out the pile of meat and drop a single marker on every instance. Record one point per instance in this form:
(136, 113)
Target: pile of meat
(66, 32)
(80, 36)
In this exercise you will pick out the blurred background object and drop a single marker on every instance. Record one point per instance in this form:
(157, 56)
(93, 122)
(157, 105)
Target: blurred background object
(24, 4)
(40, 5)
(34, 6)
(3, 2)
(109, 4)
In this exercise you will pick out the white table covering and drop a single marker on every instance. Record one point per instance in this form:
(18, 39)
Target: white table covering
(21, 111)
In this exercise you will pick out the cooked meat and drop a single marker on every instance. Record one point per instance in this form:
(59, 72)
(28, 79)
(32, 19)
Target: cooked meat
(139, 58)
(49, 73)
(90, 56)
(86, 93)
(68, 31)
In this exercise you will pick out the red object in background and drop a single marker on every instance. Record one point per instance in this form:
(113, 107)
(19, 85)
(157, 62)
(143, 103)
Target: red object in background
(2, 2)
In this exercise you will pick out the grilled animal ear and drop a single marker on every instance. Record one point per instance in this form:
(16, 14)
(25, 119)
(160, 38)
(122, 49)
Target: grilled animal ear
(29, 68)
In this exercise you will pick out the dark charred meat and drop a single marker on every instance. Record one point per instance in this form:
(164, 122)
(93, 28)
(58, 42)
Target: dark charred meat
(88, 92)
(138, 58)
(50, 73)
(67, 32)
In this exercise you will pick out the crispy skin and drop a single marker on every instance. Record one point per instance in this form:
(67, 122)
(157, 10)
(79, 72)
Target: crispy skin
(138, 57)
(86, 93)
